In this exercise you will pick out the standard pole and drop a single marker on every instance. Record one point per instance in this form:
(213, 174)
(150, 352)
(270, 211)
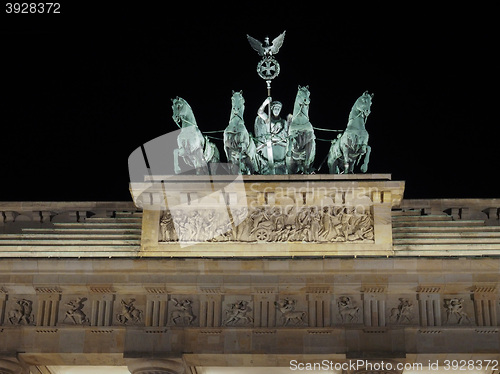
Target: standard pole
(270, 157)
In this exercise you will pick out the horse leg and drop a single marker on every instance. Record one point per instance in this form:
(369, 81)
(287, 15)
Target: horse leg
(310, 154)
(330, 161)
(333, 160)
(177, 169)
(336, 166)
(345, 155)
(364, 167)
(249, 166)
(351, 167)
(289, 161)
(291, 165)
(200, 164)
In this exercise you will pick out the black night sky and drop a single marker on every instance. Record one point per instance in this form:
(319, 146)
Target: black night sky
(82, 89)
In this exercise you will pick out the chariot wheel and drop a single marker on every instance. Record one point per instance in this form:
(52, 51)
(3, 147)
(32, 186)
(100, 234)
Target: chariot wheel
(262, 235)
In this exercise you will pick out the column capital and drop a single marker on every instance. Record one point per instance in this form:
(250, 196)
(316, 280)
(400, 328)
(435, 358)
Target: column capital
(155, 366)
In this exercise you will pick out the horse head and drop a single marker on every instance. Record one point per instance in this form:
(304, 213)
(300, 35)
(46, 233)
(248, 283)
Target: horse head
(302, 101)
(237, 104)
(182, 113)
(363, 104)
(303, 95)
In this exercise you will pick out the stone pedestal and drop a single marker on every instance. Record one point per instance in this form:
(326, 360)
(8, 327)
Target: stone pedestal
(271, 215)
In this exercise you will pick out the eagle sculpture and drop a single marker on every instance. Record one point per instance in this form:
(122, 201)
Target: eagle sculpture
(266, 49)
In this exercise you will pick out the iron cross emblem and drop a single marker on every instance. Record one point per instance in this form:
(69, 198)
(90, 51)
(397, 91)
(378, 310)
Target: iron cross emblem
(268, 68)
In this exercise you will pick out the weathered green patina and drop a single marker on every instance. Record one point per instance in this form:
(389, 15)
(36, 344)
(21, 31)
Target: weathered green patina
(271, 135)
(238, 144)
(196, 151)
(347, 150)
(301, 139)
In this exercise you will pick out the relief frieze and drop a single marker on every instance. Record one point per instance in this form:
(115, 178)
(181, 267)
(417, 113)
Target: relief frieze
(246, 310)
(269, 224)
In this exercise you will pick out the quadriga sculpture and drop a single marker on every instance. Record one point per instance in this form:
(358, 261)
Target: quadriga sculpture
(301, 138)
(238, 145)
(346, 151)
(195, 149)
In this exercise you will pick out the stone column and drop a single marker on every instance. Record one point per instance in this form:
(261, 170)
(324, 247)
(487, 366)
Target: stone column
(155, 366)
(10, 367)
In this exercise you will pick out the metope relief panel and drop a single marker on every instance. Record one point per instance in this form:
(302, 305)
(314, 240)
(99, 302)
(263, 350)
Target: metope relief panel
(347, 310)
(74, 310)
(129, 310)
(237, 311)
(402, 310)
(20, 310)
(292, 311)
(458, 310)
(287, 223)
(183, 311)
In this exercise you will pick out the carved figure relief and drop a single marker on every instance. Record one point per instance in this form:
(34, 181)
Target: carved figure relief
(269, 224)
(237, 313)
(167, 231)
(21, 314)
(75, 313)
(455, 311)
(347, 311)
(184, 313)
(404, 311)
(129, 313)
(288, 312)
